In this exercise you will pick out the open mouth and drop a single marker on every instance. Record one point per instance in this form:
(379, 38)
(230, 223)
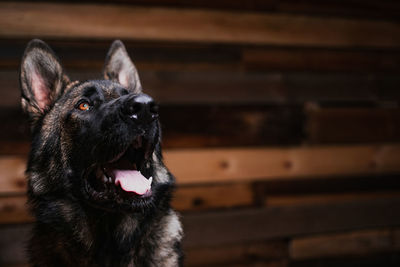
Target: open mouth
(125, 177)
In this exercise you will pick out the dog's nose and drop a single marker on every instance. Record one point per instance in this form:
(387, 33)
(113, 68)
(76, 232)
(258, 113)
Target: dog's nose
(140, 108)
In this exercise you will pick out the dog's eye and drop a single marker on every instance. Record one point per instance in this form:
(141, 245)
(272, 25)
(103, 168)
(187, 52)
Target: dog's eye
(84, 106)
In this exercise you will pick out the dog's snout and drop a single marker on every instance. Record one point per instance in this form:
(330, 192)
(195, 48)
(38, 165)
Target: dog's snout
(140, 108)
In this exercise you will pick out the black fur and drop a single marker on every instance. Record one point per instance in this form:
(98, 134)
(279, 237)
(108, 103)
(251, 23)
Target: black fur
(82, 220)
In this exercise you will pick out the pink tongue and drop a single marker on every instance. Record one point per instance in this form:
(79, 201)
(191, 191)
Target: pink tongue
(132, 181)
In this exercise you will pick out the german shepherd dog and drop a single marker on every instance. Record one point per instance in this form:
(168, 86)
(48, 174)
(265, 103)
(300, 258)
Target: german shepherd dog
(97, 185)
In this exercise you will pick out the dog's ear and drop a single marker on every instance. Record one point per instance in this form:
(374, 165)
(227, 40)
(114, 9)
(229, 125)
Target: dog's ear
(119, 68)
(42, 78)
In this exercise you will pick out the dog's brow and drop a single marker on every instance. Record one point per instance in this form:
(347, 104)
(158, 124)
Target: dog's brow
(90, 90)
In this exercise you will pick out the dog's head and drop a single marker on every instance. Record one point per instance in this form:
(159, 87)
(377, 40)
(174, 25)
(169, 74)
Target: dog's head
(97, 140)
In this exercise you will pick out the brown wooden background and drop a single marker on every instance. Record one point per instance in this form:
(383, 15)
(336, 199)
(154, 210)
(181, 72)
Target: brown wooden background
(281, 120)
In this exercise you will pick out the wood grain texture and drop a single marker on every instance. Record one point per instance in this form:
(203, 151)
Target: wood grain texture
(387, 259)
(355, 125)
(243, 88)
(321, 59)
(335, 185)
(224, 125)
(218, 228)
(89, 55)
(213, 196)
(14, 148)
(127, 22)
(324, 199)
(83, 54)
(236, 254)
(365, 242)
(196, 166)
(238, 74)
(355, 8)
(195, 126)
(13, 240)
(13, 209)
(363, 8)
(12, 177)
(190, 126)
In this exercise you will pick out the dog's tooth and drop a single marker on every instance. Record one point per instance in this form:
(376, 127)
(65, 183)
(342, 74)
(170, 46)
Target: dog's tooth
(105, 179)
(110, 180)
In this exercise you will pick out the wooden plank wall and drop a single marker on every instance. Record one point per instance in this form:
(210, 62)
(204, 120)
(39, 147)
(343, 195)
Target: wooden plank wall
(287, 113)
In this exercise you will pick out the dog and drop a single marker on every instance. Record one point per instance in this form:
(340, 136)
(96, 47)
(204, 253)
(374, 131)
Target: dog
(97, 186)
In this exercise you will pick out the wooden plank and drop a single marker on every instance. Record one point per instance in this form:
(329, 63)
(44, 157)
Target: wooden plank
(385, 259)
(201, 197)
(197, 166)
(195, 126)
(218, 228)
(13, 209)
(277, 263)
(323, 199)
(107, 21)
(328, 186)
(318, 59)
(214, 196)
(236, 253)
(364, 242)
(240, 125)
(174, 56)
(223, 228)
(229, 165)
(15, 128)
(14, 148)
(86, 55)
(339, 125)
(396, 239)
(243, 88)
(13, 240)
(190, 126)
(325, 191)
(386, 9)
(89, 55)
(10, 94)
(251, 263)
(355, 8)
(365, 8)
(13, 252)
(12, 177)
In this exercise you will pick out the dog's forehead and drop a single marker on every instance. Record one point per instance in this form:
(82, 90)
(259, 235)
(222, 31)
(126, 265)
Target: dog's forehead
(102, 88)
